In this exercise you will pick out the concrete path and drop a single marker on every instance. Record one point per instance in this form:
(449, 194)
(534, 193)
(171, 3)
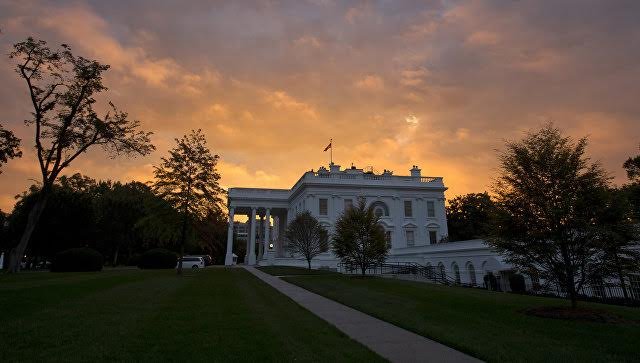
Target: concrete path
(391, 342)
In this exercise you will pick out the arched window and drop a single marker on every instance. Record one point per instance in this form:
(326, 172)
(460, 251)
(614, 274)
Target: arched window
(456, 272)
(442, 272)
(380, 209)
(472, 273)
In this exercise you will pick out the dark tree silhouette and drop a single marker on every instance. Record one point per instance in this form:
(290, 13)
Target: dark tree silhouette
(632, 166)
(306, 236)
(9, 146)
(469, 216)
(62, 88)
(188, 179)
(359, 239)
(547, 192)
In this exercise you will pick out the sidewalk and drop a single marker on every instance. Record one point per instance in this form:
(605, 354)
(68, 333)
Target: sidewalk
(391, 342)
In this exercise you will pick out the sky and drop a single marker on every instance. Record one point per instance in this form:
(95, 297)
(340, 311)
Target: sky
(439, 84)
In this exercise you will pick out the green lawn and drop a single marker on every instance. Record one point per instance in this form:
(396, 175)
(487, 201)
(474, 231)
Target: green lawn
(488, 325)
(291, 270)
(208, 315)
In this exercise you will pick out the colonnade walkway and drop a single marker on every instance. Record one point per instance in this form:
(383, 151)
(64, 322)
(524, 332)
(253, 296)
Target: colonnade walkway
(389, 341)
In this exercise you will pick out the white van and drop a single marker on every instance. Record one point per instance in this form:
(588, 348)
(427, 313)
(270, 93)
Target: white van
(191, 262)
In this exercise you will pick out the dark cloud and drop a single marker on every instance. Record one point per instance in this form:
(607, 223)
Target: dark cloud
(437, 83)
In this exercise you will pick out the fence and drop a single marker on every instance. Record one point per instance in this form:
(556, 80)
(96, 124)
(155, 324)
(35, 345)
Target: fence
(606, 293)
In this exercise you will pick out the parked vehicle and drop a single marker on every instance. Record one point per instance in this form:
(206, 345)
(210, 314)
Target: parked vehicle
(207, 259)
(191, 262)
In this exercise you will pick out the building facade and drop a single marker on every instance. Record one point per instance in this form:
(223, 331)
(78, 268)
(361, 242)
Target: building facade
(411, 210)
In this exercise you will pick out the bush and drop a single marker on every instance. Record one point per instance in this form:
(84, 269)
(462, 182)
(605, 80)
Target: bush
(516, 281)
(77, 260)
(158, 258)
(490, 282)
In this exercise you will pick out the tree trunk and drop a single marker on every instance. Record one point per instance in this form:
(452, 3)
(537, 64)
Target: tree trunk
(16, 253)
(309, 263)
(115, 256)
(183, 236)
(571, 287)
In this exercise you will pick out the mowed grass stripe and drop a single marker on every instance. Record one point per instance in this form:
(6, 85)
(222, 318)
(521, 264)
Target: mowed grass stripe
(208, 315)
(488, 325)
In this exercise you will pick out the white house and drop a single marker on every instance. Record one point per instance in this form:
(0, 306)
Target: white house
(411, 209)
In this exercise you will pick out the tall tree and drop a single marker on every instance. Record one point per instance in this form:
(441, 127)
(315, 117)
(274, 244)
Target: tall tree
(469, 216)
(306, 236)
(618, 233)
(9, 146)
(547, 190)
(359, 238)
(632, 166)
(188, 179)
(62, 88)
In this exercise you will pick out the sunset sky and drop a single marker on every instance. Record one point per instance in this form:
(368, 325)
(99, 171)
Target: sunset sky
(440, 84)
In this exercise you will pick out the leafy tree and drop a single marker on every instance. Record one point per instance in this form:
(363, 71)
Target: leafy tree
(548, 191)
(188, 180)
(359, 239)
(9, 146)
(306, 236)
(68, 221)
(618, 234)
(632, 166)
(62, 88)
(469, 216)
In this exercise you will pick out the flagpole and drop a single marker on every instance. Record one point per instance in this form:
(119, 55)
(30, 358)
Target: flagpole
(331, 153)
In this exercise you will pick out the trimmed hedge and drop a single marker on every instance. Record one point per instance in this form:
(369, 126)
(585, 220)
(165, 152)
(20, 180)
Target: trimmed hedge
(77, 260)
(158, 258)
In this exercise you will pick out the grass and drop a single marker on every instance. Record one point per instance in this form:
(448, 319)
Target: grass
(488, 325)
(293, 271)
(209, 315)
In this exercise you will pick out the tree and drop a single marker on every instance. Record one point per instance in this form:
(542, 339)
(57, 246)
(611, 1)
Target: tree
(632, 166)
(359, 239)
(469, 216)
(62, 88)
(547, 193)
(188, 180)
(306, 236)
(618, 233)
(9, 146)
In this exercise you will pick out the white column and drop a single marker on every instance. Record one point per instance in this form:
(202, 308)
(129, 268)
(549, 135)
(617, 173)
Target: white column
(261, 249)
(228, 258)
(266, 232)
(252, 238)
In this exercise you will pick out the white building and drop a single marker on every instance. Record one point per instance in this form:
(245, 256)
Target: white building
(411, 210)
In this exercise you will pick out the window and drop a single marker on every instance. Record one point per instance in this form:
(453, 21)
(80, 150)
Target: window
(431, 209)
(408, 208)
(378, 211)
(456, 272)
(387, 237)
(410, 238)
(472, 273)
(323, 206)
(348, 204)
(433, 237)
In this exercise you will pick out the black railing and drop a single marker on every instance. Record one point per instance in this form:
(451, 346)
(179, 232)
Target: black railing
(606, 293)
(429, 273)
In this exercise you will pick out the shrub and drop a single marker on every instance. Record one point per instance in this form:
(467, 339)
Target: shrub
(490, 282)
(516, 281)
(158, 258)
(77, 259)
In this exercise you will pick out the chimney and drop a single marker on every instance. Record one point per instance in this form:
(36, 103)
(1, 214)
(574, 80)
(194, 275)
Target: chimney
(334, 168)
(415, 171)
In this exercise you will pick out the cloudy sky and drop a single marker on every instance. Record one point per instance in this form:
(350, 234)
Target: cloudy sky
(440, 84)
